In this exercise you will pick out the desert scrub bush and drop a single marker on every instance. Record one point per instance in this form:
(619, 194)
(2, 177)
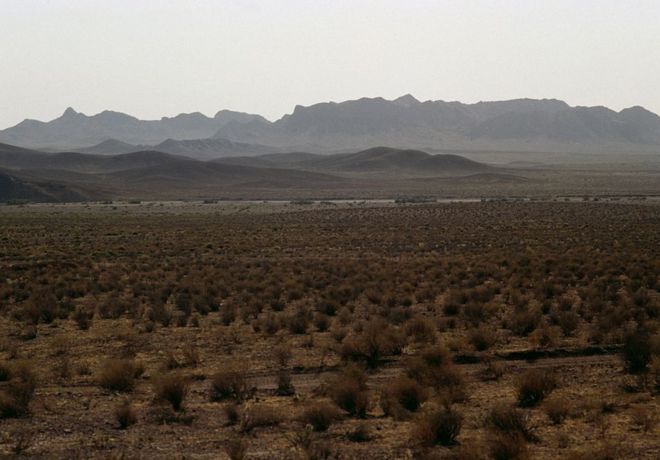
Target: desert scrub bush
(284, 385)
(493, 370)
(236, 448)
(510, 421)
(17, 387)
(420, 330)
(645, 418)
(119, 374)
(230, 383)
(402, 397)
(298, 322)
(259, 416)
(42, 306)
(440, 426)
(557, 409)
(171, 388)
(508, 447)
(361, 433)
(282, 354)
(319, 415)
(349, 391)
(309, 447)
(232, 413)
(434, 367)
(82, 317)
(376, 341)
(483, 337)
(534, 385)
(637, 351)
(125, 415)
(525, 321)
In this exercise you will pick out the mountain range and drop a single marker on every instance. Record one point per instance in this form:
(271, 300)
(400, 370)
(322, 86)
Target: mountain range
(516, 125)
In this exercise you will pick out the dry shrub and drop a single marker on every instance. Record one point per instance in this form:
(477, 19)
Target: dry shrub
(524, 322)
(319, 415)
(360, 433)
(282, 354)
(165, 414)
(483, 337)
(82, 317)
(230, 383)
(546, 336)
(510, 421)
(608, 451)
(568, 321)
(258, 417)
(349, 391)
(309, 447)
(637, 351)
(17, 389)
(434, 367)
(236, 448)
(508, 447)
(644, 418)
(493, 370)
(125, 415)
(402, 396)
(119, 375)
(171, 388)
(376, 341)
(534, 385)
(284, 385)
(557, 409)
(232, 413)
(439, 426)
(420, 330)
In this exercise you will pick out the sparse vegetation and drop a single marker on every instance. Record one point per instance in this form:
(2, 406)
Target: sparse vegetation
(354, 327)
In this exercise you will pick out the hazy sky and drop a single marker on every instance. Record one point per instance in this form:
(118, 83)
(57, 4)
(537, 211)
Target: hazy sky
(154, 58)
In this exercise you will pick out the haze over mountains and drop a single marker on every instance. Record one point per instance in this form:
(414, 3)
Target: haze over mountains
(520, 125)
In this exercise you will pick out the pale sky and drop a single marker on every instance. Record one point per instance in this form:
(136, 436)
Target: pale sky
(153, 58)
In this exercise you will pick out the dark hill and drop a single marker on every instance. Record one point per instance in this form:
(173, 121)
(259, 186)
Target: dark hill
(388, 160)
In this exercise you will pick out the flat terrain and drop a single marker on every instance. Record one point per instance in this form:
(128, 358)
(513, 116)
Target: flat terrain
(223, 326)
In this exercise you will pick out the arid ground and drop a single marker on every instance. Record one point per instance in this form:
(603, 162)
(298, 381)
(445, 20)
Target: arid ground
(331, 330)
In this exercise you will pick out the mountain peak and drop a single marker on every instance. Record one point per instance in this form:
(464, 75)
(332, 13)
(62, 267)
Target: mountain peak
(69, 112)
(407, 100)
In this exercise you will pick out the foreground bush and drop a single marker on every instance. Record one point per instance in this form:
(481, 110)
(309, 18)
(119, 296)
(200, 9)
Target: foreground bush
(557, 409)
(434, 367)
(125, 415)
(230, 383)
(349, 391)
(376, 341)
(171, 388)
(533, 386)
(510, 421)
(119, 374)
(259, 416)
(17, 389)
(637, 351)
(402, 396)
(508, 447)
(319, 415)
(440, 426)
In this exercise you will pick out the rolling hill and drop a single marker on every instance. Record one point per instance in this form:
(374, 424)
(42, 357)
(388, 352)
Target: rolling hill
(374, 162)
